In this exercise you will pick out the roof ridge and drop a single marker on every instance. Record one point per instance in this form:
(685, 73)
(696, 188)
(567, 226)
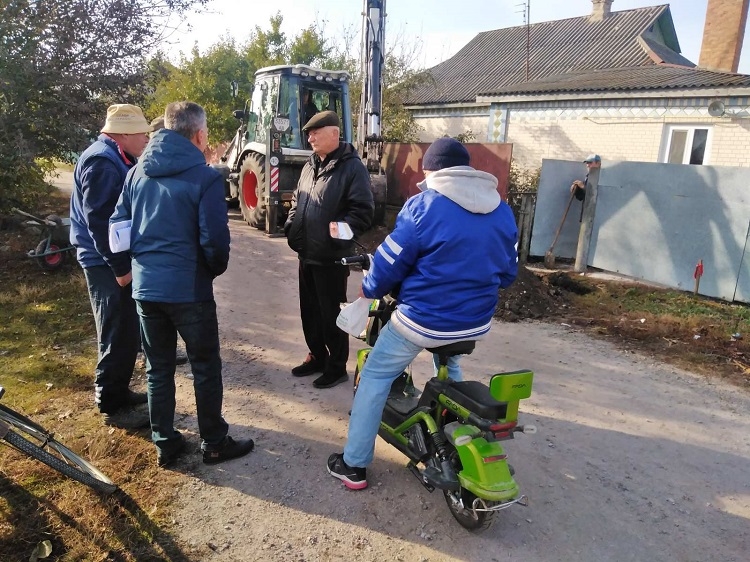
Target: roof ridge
(662, 7)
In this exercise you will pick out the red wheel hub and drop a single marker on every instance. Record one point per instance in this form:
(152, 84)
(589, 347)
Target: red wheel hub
(250, 190)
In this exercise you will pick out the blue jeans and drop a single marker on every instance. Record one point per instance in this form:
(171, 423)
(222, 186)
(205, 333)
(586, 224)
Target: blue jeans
(391, 355)
(196, 322)
(117, 337)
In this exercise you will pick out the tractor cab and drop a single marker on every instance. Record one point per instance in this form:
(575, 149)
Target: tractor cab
(291, 95)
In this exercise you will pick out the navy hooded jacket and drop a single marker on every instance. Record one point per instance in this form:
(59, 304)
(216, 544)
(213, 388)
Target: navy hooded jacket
(98, 178)
(179, 238)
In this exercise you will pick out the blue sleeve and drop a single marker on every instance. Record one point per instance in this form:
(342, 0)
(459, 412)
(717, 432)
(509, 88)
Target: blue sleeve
(213, 224)
(101, 185)
(394, 258)
(122, 208)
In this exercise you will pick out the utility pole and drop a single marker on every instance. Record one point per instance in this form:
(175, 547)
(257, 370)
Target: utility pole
(526, 7)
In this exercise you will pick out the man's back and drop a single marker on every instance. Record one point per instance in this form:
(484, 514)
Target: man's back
(452, 249)
(180, 234)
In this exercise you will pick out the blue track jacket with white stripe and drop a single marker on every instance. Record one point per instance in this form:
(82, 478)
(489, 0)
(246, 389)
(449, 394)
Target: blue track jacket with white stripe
(453, 247)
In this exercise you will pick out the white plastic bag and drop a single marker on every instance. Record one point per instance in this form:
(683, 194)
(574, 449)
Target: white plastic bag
(119, 236)
(353, 317)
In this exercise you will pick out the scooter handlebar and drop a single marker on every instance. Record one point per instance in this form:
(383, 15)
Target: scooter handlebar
(362, 259)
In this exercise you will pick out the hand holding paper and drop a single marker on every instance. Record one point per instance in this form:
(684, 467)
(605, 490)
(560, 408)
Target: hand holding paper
(119, 236)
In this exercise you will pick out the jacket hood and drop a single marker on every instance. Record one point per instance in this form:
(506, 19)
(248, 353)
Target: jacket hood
(474, 190)
(169, 153)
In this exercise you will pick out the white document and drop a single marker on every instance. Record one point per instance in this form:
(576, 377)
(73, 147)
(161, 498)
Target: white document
(353, 317)
(119, 236)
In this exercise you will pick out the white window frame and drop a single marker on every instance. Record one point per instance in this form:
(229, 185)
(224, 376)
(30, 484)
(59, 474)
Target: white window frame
(690, 129)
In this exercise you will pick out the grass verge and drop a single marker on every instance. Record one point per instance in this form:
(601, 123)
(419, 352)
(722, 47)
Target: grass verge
(696, 333)
(47, 358)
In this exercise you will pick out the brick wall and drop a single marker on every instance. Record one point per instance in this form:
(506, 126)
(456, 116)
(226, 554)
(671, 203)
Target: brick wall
(434, 127)
(723, 34)
(570, 134)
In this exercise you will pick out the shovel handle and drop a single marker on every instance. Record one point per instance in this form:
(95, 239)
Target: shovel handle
(562, 222)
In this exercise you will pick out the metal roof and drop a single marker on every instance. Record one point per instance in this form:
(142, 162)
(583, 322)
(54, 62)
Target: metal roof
(655, 77)
(496, 59)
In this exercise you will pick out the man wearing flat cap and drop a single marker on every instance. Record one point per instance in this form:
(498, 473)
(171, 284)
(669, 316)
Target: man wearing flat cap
(98, 179)
(578, 187)
(334, 186)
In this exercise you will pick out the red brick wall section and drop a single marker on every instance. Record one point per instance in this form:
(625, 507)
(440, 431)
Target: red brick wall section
(723, 34)
(403, 165)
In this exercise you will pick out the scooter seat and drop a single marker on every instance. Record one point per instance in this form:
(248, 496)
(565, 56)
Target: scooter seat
(476, 397)
(458, 348)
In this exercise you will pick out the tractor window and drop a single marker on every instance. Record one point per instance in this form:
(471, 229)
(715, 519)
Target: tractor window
(289, 106)
(330, 100)
(265, 102)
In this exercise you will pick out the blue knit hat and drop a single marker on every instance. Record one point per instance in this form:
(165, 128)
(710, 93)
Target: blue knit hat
(445, 153)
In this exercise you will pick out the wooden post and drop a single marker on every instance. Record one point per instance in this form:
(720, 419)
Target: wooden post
(587, 221)
(525, 221)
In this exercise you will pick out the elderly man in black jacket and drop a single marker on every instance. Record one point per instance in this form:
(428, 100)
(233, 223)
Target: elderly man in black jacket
(334, 186)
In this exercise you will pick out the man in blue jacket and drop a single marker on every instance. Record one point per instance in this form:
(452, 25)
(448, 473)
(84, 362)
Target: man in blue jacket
(179, 242)
(452, 249)
(98, 178)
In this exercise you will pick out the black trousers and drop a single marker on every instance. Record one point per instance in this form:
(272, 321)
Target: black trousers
(321, 290)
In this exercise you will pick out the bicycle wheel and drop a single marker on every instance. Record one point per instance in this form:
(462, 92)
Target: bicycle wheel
(32, 439)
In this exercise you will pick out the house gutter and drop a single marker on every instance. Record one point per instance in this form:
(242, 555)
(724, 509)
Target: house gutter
(637, 94)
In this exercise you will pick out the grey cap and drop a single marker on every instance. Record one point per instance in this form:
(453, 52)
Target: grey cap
(591, 158)
(323, 119)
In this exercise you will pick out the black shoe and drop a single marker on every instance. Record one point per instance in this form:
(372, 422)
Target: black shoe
(228, 450)
(166, 457)
(308, 367)
(135, 398)
(353, 477)
(128, 418)
(330, 379)
(181, 358)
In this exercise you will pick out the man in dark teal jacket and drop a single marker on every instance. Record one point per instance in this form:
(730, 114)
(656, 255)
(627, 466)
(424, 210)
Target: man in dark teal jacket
(179, 242)
(98, 178)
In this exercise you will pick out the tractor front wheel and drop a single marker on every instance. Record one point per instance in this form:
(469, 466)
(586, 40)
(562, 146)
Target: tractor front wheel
(252, 186)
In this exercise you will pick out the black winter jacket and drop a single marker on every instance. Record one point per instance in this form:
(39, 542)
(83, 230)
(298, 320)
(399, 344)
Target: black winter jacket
(337, 189)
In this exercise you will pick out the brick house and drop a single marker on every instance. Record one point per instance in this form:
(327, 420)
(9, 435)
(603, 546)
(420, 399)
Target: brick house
(609, 82)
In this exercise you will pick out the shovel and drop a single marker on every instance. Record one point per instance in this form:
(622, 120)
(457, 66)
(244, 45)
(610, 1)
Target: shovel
(549, 257)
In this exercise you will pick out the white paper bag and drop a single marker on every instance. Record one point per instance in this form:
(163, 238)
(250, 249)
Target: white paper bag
(353, 317)
(119, 236)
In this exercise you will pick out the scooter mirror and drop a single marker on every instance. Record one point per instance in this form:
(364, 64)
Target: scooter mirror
(341, 230)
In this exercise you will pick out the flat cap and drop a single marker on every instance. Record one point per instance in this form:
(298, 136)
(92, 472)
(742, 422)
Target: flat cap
(323, 119)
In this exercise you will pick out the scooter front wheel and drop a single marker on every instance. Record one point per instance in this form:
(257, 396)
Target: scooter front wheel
(460, 505)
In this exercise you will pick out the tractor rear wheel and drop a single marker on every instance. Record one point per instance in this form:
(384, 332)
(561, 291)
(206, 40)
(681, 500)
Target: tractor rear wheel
(252, 186)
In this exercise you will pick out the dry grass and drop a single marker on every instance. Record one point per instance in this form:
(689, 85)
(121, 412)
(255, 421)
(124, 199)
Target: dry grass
(47, 357)
(697, 333)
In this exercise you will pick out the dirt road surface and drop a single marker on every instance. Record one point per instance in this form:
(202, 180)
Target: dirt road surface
(633, 460)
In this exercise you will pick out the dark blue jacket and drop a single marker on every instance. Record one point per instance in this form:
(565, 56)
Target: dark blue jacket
(179, 239)
(98, 178)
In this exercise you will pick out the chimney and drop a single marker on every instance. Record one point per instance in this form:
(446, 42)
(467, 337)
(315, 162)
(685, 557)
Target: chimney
(602, 9)
(723, 34)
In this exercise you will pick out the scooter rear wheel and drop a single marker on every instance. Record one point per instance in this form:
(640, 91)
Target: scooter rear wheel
(474, 521)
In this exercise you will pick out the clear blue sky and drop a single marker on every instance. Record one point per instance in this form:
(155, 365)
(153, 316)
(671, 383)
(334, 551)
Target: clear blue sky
(443, 26)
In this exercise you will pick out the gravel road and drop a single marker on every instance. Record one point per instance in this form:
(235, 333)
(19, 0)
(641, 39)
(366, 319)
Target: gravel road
(633, 460)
